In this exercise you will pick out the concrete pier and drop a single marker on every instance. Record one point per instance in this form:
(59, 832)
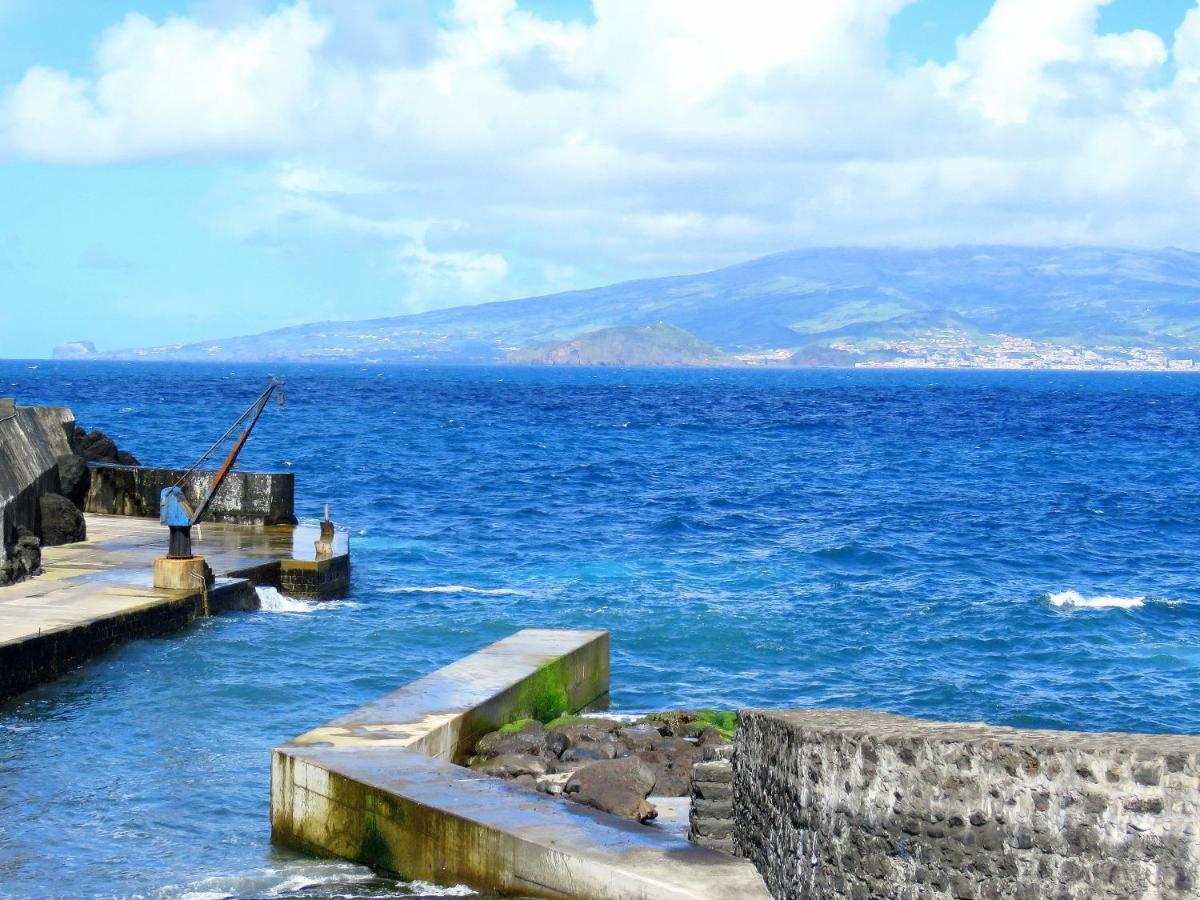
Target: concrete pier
(381, 786)
(98, 593)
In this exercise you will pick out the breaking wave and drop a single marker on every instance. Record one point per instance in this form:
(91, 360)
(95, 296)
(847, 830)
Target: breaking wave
(1074, 598)
(270, 600)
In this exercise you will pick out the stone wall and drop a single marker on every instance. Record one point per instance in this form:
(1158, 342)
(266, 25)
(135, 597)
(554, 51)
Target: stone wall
(835, 803)
(246, 498)
(31, 440)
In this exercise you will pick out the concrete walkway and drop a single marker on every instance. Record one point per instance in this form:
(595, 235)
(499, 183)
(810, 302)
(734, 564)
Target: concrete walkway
(98, 592)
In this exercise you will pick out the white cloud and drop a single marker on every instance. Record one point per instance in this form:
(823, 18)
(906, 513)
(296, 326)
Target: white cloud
(498, 150)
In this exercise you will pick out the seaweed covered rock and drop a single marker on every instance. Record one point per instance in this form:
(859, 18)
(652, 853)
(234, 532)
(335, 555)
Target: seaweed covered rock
(62, 522)
(529, 736)
(617, 786)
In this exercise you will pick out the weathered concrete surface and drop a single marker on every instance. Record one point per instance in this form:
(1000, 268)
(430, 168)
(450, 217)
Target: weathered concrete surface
(380, 786)
(31, 440)
(837, 803)
(246, 498)
(98, 592)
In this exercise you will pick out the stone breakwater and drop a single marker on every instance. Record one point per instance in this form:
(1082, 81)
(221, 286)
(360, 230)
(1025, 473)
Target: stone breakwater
(834, 803)
(45, 475)
(603, 763)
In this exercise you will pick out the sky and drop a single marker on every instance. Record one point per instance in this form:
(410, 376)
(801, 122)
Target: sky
(180, 170)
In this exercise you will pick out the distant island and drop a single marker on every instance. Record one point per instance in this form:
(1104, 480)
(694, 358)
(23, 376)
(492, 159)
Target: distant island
(74, 350)
(970, 306)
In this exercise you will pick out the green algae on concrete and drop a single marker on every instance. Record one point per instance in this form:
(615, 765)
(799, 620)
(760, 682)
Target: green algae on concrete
(380, 786)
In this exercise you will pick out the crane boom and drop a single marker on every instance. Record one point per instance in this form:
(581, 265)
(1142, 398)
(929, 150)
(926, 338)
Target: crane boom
(175, 511)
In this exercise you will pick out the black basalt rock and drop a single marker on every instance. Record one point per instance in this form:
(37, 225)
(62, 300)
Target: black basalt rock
(75, 478)
(62, 522)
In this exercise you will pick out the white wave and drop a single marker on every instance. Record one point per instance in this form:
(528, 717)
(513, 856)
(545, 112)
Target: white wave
(333, 878)
(456, 589)
(1074, 598)
(270, 600)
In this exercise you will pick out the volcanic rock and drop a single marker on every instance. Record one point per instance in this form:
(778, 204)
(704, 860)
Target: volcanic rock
(533, 738)
(618, 786)
(711, 737)
(512, 765)
(640, 736)
(62, 522)
(22, 559)
(672, 771)
(75, 477)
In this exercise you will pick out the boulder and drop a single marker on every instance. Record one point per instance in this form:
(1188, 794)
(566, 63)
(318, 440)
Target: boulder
(675, 744)
(606, 747)
(532, 738)
(586, 754)
(511, 765)
(592, 729)
(640, 736)
(22, 559)
(75, 478)
(672, 771)
(710, 737)
(125, 458)
(96, 446)
(62, 522)
(617, 786)
(553, 784)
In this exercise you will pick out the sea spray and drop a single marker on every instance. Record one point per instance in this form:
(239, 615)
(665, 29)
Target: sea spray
(270, 600)
(1076, 599)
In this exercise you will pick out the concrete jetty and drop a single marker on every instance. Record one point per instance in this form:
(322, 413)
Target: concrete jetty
(97, 593)
(381, 785)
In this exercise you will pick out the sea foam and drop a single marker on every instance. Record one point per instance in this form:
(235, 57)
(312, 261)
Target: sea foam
(270, 600)
(1074, 598)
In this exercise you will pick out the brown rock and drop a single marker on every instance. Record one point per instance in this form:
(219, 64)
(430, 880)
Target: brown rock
(618, 786)
(533, 738)
(511, 765)
(639, 737)
(672, 771)
(710, 737)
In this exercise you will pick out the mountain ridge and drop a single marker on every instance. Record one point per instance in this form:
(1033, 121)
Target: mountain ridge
(881, 304)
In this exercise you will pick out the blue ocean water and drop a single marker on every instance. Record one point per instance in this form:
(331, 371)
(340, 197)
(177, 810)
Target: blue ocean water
(1014, 547)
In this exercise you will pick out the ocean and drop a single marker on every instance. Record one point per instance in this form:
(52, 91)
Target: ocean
(1018, 548)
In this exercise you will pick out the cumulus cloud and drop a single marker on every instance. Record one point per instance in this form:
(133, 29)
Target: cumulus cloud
(495, 146)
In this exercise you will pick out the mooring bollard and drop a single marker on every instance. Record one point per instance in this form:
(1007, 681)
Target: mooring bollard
(324, 543)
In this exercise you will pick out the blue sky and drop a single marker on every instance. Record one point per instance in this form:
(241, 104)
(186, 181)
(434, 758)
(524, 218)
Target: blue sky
(176, 171)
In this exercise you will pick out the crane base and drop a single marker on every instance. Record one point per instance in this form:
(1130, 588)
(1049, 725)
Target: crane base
(181, 574)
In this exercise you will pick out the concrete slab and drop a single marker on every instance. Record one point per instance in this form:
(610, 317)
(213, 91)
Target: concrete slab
(380, 786)
(99, 592)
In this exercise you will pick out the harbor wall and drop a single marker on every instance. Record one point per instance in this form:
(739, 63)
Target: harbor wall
(48, 655)
(837, 803)
(246, 498)
(31, 440)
